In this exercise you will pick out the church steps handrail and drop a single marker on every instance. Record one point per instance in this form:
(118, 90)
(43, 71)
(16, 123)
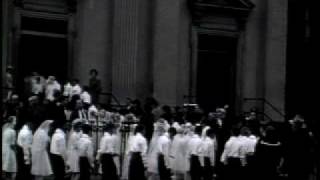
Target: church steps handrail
(265, 101)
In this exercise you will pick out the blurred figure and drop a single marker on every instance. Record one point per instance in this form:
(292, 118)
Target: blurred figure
(75, 89)
(24, 142)
(231, 157)
(79, 112)
(58, 152)
(40, 163)
(67, 88)
(163, 145)
(269, 152)
(86, 159)
(209, 147)
(8, 83)
(73, 149)
(138, 150)
(94, 85)
(179, 154)
(106, 152)
(194, 152)
(12, 107)
(85, 97)
(37, 86)
(9, 159)
(135, 108)
(247, 153)
(299, 149)
(52, 86)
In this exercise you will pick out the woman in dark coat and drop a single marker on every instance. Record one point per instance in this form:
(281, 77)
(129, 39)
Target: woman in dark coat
(268, 155)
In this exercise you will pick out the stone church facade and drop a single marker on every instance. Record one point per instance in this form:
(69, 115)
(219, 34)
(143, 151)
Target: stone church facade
(211, 52)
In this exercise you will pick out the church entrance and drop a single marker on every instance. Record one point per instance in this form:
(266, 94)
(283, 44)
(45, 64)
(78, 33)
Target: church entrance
(216, 67)
(43, 48)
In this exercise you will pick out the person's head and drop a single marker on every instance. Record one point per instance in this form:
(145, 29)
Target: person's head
(139, 129)
(38, 80)
(221, 112)
(180, 129)
(74, 82)
(51, 79)
(93, 73)
(85, 88)
(35, 73)
(109, 128)
(30, 125)
(245, 131)
(166, 109)
(33, 100)
(76, 125)
(210, 133)
(9, 69)
(79, 104)
(161, 126)
(57, 94)
(14, 98)
(172, 132)
(86, 129)
(136, 103)
(271, 134)
(198, 129)
(12, 121)
(235, 131)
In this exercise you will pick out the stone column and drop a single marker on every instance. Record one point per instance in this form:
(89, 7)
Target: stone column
(166, 50)
(275, 64)
(93, 37)
(252, 52)
(125, 48)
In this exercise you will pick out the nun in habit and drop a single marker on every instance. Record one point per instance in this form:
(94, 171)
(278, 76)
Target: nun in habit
(9, 160)
(73, 149)
(41, 166)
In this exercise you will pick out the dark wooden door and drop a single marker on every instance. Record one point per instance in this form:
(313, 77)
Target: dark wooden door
(216, 71)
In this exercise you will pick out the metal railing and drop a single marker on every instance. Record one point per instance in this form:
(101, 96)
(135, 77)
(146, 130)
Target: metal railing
(111, 98)
(269, 104)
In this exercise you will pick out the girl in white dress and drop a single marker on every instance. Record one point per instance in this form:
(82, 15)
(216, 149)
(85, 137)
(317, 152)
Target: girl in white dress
(9, 159)
(73, 149)
(41, 166)
(179, 154)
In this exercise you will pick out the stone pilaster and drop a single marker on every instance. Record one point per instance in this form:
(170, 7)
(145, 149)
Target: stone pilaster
(125, 48)
(93, 36)
(275, 64)
(166, 50)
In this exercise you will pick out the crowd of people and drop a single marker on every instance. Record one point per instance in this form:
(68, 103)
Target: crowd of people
(63, 132)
